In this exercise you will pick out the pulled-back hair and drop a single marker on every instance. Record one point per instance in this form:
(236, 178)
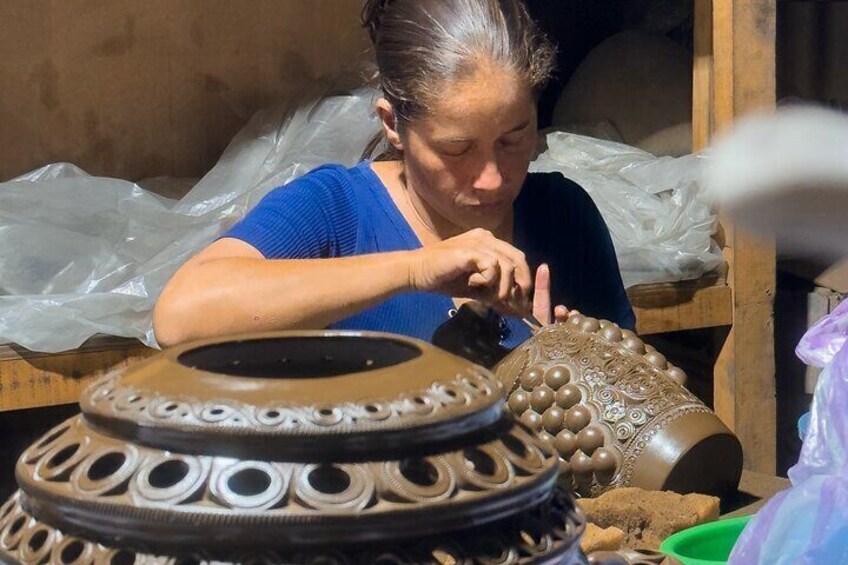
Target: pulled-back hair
(422, 44)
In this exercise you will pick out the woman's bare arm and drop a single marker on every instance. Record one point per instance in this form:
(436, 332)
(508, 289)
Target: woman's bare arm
(231, 288)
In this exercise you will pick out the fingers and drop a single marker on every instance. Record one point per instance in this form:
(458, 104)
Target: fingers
(521, 276)
(486, 271)
(561, 313)
(494, 284)
(542, 295)
(491, 271)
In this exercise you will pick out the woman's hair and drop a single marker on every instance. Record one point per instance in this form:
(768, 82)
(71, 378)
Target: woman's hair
(422, 44)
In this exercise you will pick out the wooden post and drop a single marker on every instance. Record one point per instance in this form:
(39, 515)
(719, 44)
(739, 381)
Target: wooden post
(739, 77)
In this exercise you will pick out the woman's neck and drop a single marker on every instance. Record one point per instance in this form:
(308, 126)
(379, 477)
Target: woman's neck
(426, 222)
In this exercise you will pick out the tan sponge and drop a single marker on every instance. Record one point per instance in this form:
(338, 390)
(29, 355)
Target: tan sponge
(646, 517)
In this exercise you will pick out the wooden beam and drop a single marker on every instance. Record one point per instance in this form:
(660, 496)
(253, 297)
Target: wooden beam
(31, 380)
(743, 75)
(702, 75)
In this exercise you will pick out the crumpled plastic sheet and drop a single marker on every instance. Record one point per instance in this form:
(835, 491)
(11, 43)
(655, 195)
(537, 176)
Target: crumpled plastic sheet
(83, 255)
(808, 523)
(661, 228)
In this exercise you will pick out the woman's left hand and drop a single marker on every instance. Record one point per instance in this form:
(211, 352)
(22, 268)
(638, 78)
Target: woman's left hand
(542, 299)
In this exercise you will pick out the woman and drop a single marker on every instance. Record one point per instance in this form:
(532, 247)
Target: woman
(396, 245)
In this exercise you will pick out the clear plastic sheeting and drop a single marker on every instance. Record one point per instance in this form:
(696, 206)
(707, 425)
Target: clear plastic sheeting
(808, 523)
(83, 255)
(660, 226)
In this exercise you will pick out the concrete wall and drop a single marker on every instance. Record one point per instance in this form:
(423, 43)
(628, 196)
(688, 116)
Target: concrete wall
(134, 89)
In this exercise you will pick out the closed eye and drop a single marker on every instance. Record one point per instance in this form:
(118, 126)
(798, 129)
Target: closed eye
(511, 141)
(456, 149)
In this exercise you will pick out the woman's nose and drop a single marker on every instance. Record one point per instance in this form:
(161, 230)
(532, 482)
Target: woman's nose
(490, 177)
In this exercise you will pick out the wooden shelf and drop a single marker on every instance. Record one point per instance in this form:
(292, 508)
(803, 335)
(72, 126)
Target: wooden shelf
(733, 74)
(686, 305)
(31, 380)
(755, 490)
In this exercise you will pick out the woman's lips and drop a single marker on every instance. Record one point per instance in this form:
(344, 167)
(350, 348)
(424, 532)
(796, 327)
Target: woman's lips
(488, 205)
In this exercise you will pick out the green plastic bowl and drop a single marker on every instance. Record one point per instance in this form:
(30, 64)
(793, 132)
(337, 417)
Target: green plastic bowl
(707, 544)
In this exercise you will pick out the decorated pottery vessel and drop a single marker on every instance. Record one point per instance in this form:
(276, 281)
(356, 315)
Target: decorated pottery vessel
(309, 447)
(617, 412)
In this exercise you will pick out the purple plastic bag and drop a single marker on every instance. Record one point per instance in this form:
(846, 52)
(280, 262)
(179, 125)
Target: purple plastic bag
(808, 523)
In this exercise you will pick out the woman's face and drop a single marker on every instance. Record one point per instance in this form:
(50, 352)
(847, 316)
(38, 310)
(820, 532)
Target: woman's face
(468, 159)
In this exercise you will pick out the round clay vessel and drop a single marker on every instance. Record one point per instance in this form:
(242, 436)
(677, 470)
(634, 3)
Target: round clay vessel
(620, 415)
(307, 447)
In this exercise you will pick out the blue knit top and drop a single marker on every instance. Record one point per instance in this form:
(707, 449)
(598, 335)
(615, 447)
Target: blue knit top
(334, 211)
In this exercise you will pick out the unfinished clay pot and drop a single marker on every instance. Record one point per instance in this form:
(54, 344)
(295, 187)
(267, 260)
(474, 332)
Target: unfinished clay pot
(312, 447)
(616, 412)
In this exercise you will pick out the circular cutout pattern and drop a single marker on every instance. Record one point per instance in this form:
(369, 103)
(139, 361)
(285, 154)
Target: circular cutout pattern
(171, 479)
(520, 450)
(426, 480)
(343, 487)
(105, 470)
(122, 557)
(326, 415)
(46, 442)
(37, 543)
(483, 467)
(58, 462)
(216, 412)
(251, 485)
(11, 535)
(6, 511)
(71, 551)
(375, 410)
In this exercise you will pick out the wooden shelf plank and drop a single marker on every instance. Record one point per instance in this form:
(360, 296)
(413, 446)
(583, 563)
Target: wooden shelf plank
(687, 305)
(31, 380)
(756, 489)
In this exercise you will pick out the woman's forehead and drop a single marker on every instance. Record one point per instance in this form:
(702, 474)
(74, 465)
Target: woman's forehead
(495, 100)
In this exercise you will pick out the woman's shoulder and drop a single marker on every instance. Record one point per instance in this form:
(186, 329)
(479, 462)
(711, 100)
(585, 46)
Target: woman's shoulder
(331, 184)
(331, 175)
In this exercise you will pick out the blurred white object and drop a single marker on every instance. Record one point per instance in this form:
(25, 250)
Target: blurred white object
(785, 175)
(660, 227)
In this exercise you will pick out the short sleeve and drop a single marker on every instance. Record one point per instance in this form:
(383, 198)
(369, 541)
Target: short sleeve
(313, 216)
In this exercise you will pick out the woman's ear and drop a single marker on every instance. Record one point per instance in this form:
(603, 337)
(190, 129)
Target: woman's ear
(390, 126)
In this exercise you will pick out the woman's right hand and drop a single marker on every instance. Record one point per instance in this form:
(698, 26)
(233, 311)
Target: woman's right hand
(474, 265)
